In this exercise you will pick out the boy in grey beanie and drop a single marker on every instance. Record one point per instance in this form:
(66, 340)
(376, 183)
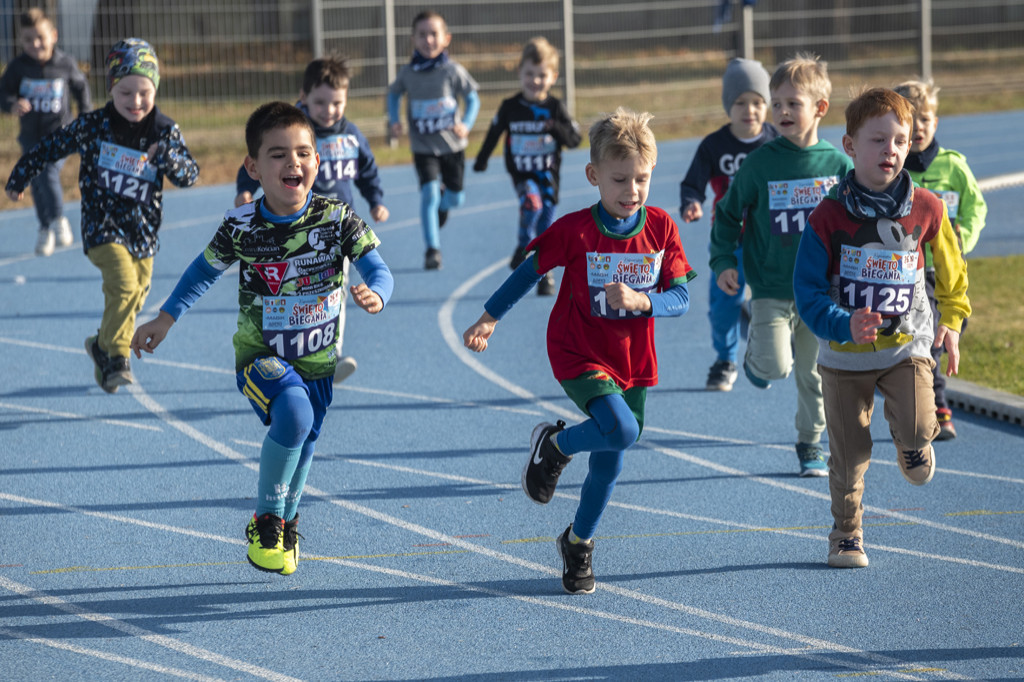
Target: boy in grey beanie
(745, 97)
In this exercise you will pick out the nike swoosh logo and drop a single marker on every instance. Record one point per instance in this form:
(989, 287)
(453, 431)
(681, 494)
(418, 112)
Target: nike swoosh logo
(537, 459)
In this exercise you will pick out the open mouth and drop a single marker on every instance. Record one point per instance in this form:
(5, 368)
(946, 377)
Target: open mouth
(292, 180)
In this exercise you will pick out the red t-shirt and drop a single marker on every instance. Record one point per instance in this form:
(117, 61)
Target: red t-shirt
(584, 333)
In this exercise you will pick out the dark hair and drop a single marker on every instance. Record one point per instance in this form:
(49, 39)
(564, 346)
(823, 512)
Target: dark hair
(32, 17)
(269, 117)
(429, 14)
(330, 71)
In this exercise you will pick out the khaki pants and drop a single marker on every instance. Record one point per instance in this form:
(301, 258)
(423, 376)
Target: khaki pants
(125, 287)
(849, 403)
(778, 342)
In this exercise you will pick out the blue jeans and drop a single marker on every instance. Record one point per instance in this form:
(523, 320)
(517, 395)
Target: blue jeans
(724, 313)
(47, 194)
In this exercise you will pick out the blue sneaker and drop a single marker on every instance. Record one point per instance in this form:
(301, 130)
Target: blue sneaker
(812, 460)
(756, 380)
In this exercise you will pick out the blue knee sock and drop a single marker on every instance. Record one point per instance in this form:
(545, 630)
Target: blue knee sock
(298, 483)
(450, 200)
(430, 202)
(605, 468)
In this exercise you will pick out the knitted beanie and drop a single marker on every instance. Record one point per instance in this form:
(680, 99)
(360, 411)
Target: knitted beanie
(132, 56)
(744, 75)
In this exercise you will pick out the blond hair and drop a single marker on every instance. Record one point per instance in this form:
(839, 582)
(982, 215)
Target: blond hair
(621, 135)
(805, 71)
(924, 95)
(539, 51)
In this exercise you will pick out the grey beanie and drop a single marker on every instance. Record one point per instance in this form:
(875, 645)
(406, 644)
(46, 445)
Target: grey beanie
(744, 75)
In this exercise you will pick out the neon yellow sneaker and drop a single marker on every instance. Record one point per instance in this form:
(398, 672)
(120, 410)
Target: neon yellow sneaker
(266, 551)
(290, 546)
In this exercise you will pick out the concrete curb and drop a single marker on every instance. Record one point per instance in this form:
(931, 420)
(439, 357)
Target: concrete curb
(967, 397)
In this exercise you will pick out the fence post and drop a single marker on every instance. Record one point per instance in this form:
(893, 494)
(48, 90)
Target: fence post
(747, 32)
(316, 27)
(926, 39)
(568, 31)
(390, 60)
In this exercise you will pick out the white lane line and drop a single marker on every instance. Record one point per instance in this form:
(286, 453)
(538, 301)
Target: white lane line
(113, 658)
(147, 401)
(454, 342)
(141, 633)
(681, 515)
(77, 417)
(809, 650)
(1001, 182)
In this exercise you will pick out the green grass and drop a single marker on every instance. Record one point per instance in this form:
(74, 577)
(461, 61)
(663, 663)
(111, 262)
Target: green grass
(992, 348)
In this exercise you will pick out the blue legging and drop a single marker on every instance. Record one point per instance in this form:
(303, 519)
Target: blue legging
(431, 201)
(611, 429)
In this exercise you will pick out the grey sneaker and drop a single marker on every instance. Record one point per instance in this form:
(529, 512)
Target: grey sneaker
(117, 373)
(546, 285)
(721, 376)
(343, 370)
(812, 460)
(432, 260)
(65, 237)
(45, 242)
(577, 573)
(917, 466)
(847, 553)
(545, 465)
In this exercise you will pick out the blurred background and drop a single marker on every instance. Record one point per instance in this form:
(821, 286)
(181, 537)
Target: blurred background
(220, 58)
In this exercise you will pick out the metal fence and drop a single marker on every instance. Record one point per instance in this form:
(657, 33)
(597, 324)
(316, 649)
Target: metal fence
(219, 57)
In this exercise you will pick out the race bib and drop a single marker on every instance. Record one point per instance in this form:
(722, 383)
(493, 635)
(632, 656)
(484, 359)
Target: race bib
(433, 115)
(126, 172)
(879, 279)
(296, 326)
(339, 158)
(532, 152)
(952, 200)
(791, 201)
(640, 272)
(45, 96)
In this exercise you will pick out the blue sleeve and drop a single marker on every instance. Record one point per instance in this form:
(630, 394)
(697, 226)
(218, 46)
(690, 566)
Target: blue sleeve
(244, 183)
(394, 102)
(472, 108)
(810, 290)
(518, 284)
(368, 181)
(671, 302)
(197, 278)
(376, 275)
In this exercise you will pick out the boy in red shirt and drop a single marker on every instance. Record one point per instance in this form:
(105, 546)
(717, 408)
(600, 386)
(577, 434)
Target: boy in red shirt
(624, 265)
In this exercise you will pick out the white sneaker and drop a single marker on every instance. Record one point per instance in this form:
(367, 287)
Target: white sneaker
(65, 237)
(346, 365)
(45, 242)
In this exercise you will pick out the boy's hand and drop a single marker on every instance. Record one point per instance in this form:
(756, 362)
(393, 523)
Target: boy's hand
(15, 196)
(243, 198)
(475, 338)
(691, 212)
(148, 336)
(367, 299)
(864, 325)
(950, 340)
(379, 213)
(621, 297)
(396, 130)
(21, 107)
(460, 129)
(729, 281)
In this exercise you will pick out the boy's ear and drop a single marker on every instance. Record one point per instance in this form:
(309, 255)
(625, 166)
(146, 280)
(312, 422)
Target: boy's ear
(822, 108)
(848, 145)
(591, 174)
(250, 167)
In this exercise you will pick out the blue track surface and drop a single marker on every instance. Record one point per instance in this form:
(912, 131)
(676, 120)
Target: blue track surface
(123, 554)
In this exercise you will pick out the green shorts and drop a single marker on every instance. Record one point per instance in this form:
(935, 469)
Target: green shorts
(590, 385)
